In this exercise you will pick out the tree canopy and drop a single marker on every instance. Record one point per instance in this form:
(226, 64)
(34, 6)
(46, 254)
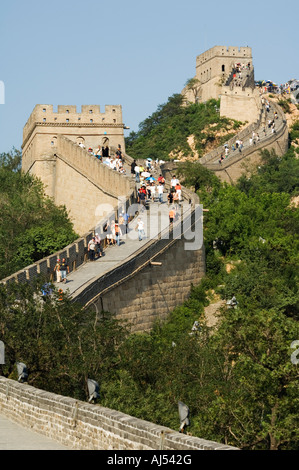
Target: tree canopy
(167, 130)
(31, 226)
(236, 377)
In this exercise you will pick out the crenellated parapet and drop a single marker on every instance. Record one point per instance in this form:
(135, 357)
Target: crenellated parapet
(223, 51)
(85, 426)
(68, 114)
(89, 126)
(55, 144)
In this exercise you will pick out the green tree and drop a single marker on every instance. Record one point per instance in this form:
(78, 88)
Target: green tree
(31, 226)
(259, 407)
(166, 131)
(11, 160)
(193, 85)
(61, 343)
(197, 176)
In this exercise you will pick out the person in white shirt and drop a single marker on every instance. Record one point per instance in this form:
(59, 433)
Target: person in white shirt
(140, 228)
(173, 181)
(153, 191)
(160, 192)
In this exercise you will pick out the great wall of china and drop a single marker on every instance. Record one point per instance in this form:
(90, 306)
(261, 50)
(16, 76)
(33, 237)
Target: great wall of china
(139, 286)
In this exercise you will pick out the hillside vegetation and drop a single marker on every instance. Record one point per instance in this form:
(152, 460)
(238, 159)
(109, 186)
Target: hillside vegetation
(31, 226)
(177, 131)
(239, 378)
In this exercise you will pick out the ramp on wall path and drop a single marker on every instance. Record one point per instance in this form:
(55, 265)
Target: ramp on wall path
(16, 437)
(115, 255)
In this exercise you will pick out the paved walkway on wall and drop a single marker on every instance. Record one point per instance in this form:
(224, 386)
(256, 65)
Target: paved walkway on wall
(263, 136)
(114, 255)
(16, 437)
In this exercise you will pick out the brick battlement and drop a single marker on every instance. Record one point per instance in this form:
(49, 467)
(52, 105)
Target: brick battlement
(242, 53)
(69, 116)
(85, 426)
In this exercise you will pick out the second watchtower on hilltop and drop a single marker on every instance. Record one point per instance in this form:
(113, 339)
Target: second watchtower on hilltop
(214, 67)
(226, 73)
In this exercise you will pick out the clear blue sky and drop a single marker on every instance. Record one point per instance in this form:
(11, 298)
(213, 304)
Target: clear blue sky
(133, 53)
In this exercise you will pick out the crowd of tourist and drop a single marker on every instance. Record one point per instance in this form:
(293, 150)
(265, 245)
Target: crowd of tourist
(239, 72)
(152, 190)
(115, 162)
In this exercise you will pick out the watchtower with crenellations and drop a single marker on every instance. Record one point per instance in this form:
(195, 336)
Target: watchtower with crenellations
(51, 151)
(214, 74)
(215, 65)
(91, 127)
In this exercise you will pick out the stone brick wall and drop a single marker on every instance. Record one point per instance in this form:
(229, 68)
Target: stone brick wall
(77, 180)
(85, 426)
(75, 253)
(152, 288)
(148, 285)
(231, 169)
(241, 104)
(70, 175)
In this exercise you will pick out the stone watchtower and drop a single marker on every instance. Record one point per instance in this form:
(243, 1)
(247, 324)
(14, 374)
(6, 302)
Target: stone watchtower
(90, 127)
(71, 176)
(214, 73)
(214, 66)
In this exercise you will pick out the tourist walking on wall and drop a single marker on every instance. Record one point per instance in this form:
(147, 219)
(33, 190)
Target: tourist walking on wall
(173, 181)
(178, 189)
(98, 247)
(118, 233)
(142, 197)
(113, 237)
(160, 192)
(170, 197)
(109, 236)
(137, 173)
(57, 270)
(171, 215)
(91, 249)
(133, 164)
(64, 269)
(153, 191)
(121, 221)
(176, 198)
(140, 228)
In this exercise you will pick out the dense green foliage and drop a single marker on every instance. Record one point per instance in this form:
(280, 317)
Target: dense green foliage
(237, 378)
(168, 128)
(60, 344)
(31, 226)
